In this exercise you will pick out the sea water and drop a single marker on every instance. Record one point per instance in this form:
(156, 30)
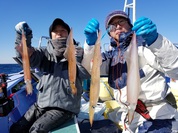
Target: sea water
(10, 68)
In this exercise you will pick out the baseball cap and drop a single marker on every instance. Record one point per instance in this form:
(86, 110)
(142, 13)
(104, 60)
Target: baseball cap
(58, 21)
(116, 13)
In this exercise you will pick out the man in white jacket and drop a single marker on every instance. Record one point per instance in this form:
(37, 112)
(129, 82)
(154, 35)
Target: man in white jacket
(156, 108)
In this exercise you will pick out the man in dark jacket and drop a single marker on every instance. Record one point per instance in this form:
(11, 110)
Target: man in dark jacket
(55, 104)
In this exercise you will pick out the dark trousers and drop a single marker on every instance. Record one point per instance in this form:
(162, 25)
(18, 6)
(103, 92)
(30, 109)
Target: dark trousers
(38, 120)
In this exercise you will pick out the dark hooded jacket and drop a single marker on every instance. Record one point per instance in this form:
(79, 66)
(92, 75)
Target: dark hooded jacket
(54, 88)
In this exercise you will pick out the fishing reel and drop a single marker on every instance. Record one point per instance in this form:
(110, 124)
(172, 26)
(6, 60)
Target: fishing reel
(3, 84)
(6, 104)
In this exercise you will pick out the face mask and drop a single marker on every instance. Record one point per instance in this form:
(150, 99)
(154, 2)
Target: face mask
(124, 40)
(59, 46)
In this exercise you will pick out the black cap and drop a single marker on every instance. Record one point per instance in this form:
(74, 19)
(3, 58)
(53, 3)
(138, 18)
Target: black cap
(58, 21)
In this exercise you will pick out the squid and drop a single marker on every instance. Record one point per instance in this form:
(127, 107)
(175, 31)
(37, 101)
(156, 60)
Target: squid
(26, 65)
(95, 79)
(133, 78)
(70, 53)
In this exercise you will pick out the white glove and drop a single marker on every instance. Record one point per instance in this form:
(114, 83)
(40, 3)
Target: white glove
(23, 26)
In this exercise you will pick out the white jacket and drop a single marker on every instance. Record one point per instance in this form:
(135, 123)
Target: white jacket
(156, 61)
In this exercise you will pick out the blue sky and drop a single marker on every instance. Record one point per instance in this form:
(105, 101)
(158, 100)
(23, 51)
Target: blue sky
(40, 14)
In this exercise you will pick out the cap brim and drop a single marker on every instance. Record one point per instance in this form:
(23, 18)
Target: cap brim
(116, 15)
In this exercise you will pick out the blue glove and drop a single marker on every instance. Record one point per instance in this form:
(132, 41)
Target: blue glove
(91, 30)
(23, 26)
(147, 29)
